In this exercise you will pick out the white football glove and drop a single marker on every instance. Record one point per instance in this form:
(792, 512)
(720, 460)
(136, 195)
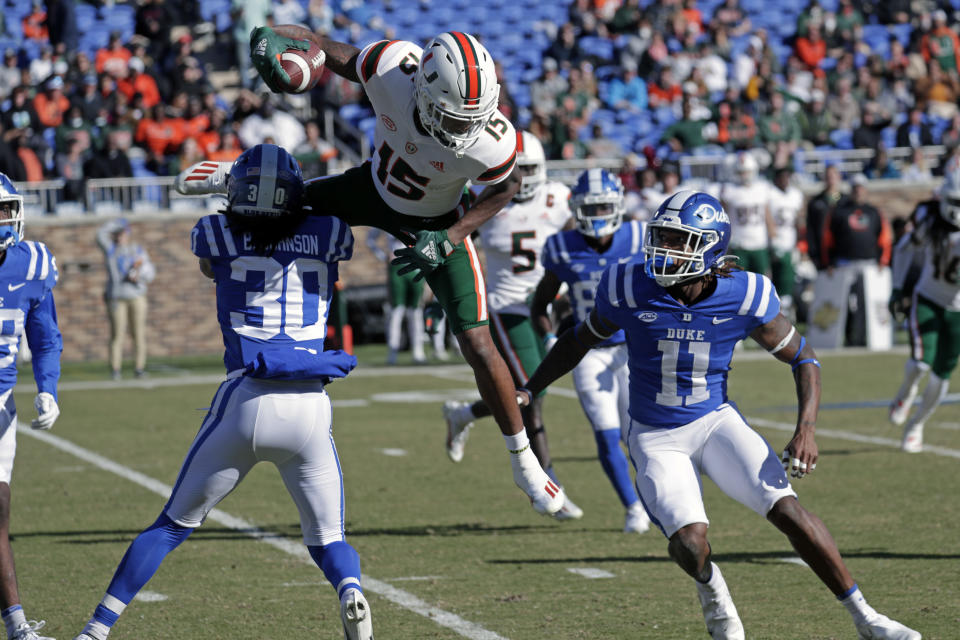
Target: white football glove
(203, 178)
(47, 411)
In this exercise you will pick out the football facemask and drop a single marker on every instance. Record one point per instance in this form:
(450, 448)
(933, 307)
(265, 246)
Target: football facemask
(687, 237)
(597, 203)
(531, 163)
(11, 214)
(456, 89)
(265, 181)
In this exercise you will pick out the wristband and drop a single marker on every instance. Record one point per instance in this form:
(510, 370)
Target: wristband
(547, 337)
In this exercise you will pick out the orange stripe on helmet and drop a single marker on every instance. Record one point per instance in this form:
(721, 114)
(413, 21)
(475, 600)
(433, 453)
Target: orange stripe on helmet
(471, 64)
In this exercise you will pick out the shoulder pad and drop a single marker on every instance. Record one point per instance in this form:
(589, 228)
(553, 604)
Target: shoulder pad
(377, 58)
(758, 294)
(496, 150)
(40, 262)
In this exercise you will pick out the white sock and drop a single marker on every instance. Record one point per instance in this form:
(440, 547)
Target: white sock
(857, 605)
(13, 617)
(913, 370)
(517, 442)
(716, 583)
(97, 630)
(932, 396)
(415, 332)
(395, 328)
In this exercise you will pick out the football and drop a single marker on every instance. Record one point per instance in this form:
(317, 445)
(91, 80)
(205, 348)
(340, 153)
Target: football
(303, 67)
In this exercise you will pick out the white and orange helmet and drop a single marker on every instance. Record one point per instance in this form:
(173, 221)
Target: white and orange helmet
(532, 163)
(456, 89)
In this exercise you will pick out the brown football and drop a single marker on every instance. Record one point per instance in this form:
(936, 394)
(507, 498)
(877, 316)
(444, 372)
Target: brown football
(303, 67)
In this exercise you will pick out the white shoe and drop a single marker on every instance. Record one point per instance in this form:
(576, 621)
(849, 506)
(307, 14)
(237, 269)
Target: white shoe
(569, 511)
(637, 520)
(203, 178)
(900, 410)
(912, 439)
(719, 612)
(883, 628)
(458, 428)
(28, 631)
(84, 636)
(545, 495)
(442, 356)
(355, 614)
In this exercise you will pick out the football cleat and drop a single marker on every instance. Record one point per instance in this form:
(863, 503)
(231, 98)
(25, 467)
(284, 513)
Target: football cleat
(545, 495)
(203, 178)
(719, 612)
(355, 614)
(912, 438)
(84, 636)
(637, 520)
(569, 511)
(28, 631)
(881, 627)
(899, 410)
(458, 428)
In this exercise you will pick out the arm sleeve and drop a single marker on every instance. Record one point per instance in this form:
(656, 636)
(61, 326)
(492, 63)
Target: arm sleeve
(46, 343)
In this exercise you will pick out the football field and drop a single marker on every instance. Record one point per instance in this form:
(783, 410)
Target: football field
(454, 551)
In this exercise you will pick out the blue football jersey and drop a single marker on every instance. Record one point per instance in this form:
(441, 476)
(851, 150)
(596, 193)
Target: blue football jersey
(272, 309)
(679, 355)
(568, 256)
(27, 277)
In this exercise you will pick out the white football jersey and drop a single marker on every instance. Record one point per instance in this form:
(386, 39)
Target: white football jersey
(785, 207)
(512, 242)
(939, 279)
(747, 205)
(415, 174)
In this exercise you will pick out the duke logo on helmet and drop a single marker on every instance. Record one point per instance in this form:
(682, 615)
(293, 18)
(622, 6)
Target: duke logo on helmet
(11, 213)
(687, 238)
(265, 181)
(597, 203)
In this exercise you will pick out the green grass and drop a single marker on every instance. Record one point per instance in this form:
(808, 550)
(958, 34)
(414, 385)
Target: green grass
(467, 531)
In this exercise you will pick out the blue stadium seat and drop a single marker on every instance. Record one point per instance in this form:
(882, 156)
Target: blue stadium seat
(601, 48)
(902, 31)
(889, 137)
(842, 138)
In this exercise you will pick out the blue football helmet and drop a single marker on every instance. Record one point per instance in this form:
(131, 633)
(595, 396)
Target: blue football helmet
(11, 214)
(597, 203)
(687, 237)
(265, 181)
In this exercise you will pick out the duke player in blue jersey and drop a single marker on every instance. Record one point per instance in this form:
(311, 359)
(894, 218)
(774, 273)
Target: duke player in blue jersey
(274, 269)
(578, 257)
(683, 310)
(28, 273)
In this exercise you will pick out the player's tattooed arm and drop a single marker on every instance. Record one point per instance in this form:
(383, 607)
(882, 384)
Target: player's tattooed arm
(546, 291)
(341, 57)
(782, 340)
(569, 350)
(491, 201)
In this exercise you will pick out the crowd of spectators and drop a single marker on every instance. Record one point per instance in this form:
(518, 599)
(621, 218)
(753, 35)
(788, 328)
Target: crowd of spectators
(618, 79)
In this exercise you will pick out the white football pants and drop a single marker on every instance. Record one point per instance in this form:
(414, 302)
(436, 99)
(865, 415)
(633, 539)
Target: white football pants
(601, 380)
(287, 423)
(721, 445)
(8, 435)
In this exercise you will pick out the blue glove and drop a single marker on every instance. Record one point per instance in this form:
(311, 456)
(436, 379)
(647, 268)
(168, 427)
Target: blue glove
(265, 49)
(429, 251)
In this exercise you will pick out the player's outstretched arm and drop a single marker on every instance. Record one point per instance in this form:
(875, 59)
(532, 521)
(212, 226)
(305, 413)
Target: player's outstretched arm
(569, 350)
(489, 203)
(267, 44)
(782, 340)
(546, 291)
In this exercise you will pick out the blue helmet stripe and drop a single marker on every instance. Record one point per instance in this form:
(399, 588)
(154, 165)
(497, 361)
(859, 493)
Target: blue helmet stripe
(268, 177)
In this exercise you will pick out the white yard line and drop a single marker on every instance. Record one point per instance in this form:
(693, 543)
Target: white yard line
(399, 597)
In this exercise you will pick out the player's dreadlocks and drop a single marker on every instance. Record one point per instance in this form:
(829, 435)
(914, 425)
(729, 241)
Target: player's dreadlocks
(265, 232)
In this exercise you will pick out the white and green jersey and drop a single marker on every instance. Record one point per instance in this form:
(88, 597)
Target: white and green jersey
(939, 243)
(512, 243)
(785, 207)
(747, 206)
(413, 173)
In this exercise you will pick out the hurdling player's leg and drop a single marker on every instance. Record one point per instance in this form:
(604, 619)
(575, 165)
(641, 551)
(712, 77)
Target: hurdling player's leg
(139, 563)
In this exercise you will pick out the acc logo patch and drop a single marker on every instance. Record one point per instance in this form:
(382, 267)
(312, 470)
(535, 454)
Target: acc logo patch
(388, 123)
(410, 148)
(647, 316)
(708, 213)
